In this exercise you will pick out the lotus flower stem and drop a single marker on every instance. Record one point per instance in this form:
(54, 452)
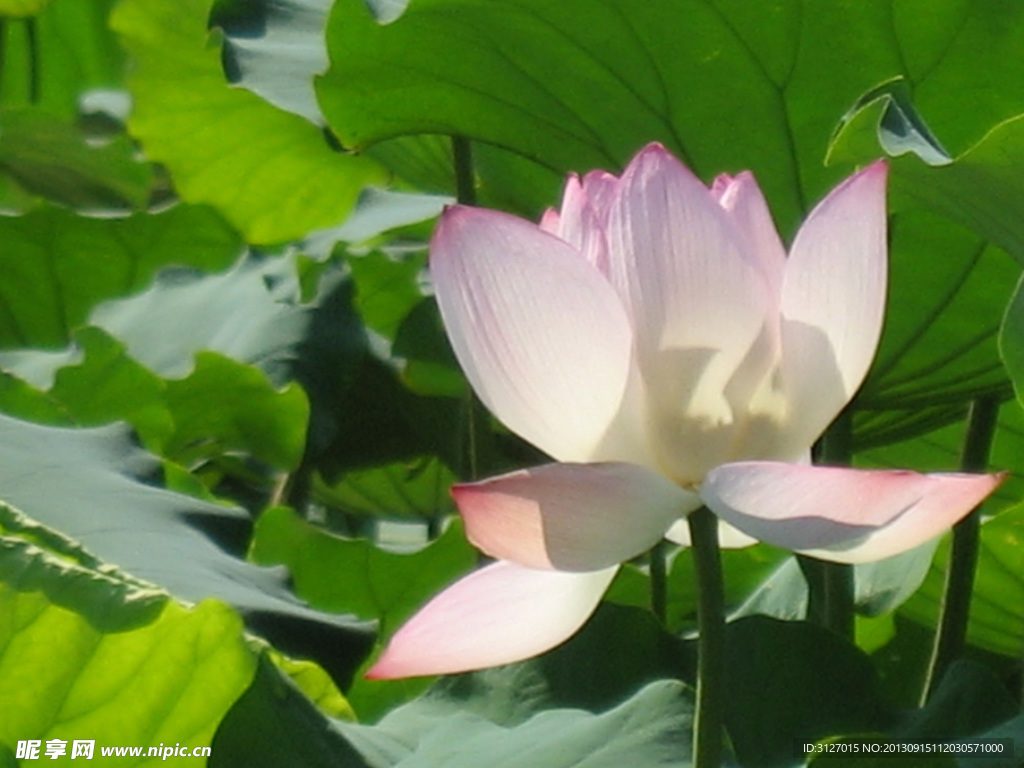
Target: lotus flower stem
(830, 586)
(659, 581)
(951, 635)
(710, 709)
(465, 178)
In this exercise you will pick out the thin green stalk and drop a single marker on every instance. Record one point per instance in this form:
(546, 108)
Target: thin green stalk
(659, 581)
(710, 708)
(951, 635)
(830, 586)
(465, 178)
(34, 74)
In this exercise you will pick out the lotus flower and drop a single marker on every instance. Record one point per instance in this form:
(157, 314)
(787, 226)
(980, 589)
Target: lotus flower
(654, 338)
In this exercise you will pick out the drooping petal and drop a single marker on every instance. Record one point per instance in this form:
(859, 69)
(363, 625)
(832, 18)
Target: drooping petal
(698, 302)
(947, 499)
(497, 615)
(833, 301)
(856, 515)
(539, 332)
(571, 517)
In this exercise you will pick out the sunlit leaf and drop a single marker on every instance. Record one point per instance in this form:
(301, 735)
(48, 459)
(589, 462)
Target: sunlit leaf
(270, 172)
(88, 653)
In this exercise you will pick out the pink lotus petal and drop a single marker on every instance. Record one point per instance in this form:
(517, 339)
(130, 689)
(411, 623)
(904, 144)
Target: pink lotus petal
(571, 517)
(742, 198)
(497, 615)
(947, 499)
(698, 300)
(539, 332)
(679, 261)
(833, 301)
(847, 515)
(580, 226)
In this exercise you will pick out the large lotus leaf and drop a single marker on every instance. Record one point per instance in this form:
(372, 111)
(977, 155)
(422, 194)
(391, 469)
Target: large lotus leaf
(58, 265)
(726, 85)
(86, 654)
(273, 726)
(86, 484)
(600, 679)
(50, 60)
(269, 172)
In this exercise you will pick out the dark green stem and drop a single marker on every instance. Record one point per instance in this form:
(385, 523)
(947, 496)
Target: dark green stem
(465, 178)
(34, 75)
(710, 708)
(659, 581)
(830, 586)
(951, 635)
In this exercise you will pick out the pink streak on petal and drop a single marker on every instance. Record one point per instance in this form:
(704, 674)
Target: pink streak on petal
(540, 333)
(571, 517)
(580, 226)
(742, 198)
(831, 510)
(833, 300)
(497, 615)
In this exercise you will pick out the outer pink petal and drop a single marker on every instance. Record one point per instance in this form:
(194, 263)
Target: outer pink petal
(847, 515)
(497, 615)
(833, 300)
(947, 499)
(571, 517)
(541, 335)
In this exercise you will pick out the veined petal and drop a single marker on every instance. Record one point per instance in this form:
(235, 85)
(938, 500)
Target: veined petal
(847, 515)
(497, 615)
(678, 259)
(579, 225)
(742, 198)
(833, 301)
(540, 333)
(947, 499)
(698, 301)
(571, 517)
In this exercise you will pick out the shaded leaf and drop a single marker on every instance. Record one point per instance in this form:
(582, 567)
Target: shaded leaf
(52, 159)
(157, 535)
(59, 265)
